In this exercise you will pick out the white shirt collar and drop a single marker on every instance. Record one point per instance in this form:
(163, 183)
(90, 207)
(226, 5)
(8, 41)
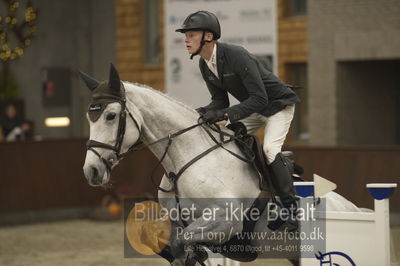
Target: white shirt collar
(213, 58)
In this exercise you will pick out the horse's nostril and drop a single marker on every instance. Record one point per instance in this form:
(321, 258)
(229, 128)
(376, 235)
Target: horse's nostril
(95, 172)
(95, 175)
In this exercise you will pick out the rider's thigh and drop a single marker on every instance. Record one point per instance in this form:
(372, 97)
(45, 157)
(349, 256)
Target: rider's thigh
(254, 122)
(275, 132)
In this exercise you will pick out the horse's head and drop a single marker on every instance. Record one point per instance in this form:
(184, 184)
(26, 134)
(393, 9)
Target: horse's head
(109, 127)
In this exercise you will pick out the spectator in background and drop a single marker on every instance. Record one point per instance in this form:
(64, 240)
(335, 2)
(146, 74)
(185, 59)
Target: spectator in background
(15, 129)
(22, 132)
(10, 121)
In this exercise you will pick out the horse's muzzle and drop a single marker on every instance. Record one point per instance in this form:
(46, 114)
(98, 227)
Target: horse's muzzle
(94, 177)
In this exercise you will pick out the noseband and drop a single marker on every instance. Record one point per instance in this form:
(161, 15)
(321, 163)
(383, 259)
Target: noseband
(91, 144)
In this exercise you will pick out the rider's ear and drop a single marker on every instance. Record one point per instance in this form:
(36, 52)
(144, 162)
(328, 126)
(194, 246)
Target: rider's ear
(90, 82)
(209, 36)
(114, 81)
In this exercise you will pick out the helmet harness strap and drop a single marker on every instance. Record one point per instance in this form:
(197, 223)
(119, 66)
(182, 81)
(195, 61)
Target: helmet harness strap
(202, 43)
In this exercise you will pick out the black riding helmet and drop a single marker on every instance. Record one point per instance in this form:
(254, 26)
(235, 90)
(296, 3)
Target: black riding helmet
(201, 20)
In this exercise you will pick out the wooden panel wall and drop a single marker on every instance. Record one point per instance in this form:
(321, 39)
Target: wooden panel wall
(48, 174)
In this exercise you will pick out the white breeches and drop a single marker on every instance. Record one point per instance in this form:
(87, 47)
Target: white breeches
(276, 129)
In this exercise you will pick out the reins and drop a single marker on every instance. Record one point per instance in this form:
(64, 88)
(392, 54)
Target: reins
(175, 176)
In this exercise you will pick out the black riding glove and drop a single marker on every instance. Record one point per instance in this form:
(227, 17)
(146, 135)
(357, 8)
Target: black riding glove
(201, 110)
(239, 128)
(214, 116)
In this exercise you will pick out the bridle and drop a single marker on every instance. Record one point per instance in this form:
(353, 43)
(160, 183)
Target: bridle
(91, 144)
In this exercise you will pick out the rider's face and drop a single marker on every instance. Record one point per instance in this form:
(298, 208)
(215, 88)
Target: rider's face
(192, 40)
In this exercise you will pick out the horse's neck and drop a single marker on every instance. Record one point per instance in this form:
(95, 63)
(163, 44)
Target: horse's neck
(161, 117)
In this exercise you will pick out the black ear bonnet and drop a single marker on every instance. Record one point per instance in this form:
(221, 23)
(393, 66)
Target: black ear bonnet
(104, 92)
(99, 102)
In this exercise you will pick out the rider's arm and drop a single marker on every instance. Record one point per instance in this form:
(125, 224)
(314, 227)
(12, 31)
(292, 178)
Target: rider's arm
(246, 68)
(219, 98)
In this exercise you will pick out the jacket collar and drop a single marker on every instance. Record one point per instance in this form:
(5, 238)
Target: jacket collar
(220, 62)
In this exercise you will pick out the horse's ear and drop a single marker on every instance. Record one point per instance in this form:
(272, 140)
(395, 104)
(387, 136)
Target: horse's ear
(113, 81)
(90, 82)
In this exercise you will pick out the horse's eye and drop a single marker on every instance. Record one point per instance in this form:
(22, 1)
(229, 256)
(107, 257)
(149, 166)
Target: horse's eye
(111, 116)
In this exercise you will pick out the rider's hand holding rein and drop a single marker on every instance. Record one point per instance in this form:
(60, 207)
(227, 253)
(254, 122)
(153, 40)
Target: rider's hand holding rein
(214, 116)
(201, 110)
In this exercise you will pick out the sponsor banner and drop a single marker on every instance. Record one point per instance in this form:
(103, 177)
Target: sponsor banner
(251, 24)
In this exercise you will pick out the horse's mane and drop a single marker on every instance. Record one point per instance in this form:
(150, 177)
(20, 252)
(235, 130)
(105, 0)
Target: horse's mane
(161, 94)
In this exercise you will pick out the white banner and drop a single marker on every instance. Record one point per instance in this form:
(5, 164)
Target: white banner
(248, 23)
